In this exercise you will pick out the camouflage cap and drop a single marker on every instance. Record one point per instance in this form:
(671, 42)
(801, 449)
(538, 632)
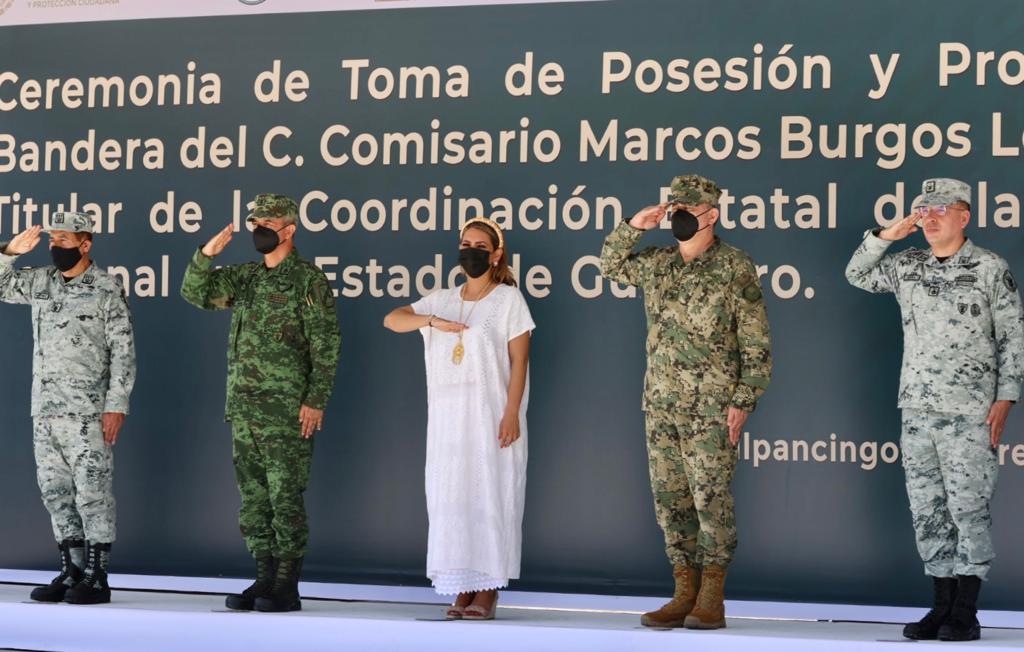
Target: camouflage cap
(72, 222)
(939, 192)
(694, 189)
(269, 206)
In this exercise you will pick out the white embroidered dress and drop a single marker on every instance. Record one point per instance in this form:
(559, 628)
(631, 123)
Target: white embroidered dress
(475, 489)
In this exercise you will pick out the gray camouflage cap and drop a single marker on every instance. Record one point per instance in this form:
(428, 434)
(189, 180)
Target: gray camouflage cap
(73, 222)
(269, 206)
(693, 189)
(941, 192)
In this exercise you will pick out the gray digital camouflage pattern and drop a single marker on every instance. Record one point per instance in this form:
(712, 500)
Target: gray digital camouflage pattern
(951, 475)
(75, 471)
(83, 365)
(708, 348)
(963, 334)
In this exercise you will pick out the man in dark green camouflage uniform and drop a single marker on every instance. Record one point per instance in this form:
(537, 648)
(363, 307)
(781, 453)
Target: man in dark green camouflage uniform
(708, 361)
(282, 357)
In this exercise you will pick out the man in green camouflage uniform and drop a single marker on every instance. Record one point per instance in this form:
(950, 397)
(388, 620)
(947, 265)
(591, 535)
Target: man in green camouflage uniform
(282, 356)
(708, 361)
(963, 363)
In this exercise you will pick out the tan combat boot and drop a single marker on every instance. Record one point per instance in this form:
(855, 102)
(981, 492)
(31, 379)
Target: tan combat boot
(710, 610)
(674, 612)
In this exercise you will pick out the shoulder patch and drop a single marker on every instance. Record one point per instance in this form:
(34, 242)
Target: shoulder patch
(752, 292)
(1011, 284)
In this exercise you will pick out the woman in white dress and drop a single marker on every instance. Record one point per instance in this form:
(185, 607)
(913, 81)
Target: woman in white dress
(476, 347)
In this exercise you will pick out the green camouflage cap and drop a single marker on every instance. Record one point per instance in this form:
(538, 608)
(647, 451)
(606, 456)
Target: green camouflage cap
(268, 206)
(693, 189)
(72, 222)
(940, 192)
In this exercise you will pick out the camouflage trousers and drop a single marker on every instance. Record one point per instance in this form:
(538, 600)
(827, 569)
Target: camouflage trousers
(951, 472)
(692, 465)
(75, 471)
(272, 470)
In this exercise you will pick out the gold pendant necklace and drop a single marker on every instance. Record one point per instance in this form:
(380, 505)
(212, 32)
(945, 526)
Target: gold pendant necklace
(459, 352)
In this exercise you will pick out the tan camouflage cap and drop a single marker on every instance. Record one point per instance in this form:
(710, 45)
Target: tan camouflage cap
(73, 222)
(940, 192)
(694, 189)
(269, 206)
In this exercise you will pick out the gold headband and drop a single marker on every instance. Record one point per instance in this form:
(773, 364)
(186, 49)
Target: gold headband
(491, 223)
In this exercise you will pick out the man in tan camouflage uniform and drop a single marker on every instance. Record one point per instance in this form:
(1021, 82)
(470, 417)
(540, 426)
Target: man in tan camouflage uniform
(708, 361)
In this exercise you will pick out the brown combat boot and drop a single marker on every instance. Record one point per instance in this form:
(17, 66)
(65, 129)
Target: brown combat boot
(710, 610)
(674, 612)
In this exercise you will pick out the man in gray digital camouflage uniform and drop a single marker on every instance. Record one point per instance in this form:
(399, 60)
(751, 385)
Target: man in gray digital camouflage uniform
(83, 370)
(963, 363)
(708, 362)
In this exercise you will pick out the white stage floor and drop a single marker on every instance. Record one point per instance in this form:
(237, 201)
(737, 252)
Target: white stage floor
(163, 616)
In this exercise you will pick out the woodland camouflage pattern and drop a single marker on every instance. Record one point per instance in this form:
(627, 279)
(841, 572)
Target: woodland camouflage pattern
(708, 348)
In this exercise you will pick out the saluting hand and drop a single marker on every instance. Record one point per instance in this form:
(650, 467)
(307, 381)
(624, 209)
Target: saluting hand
(218, 242)
(310, 420)
(901, 228)
(25, 241)
(649, 217)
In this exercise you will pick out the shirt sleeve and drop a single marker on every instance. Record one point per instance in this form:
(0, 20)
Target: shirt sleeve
(619, 263)
(1008, 322)
(427, 304)
(519, 318)
(753, 337)
(15, 285)
(320, 325)
(121, 344)
(870, 269)
(208, 288)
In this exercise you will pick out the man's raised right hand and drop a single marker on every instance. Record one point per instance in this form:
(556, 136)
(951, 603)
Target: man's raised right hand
(25, 241)
(218, 242)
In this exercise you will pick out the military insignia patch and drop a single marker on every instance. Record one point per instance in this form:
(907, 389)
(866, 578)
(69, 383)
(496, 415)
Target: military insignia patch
(43, 295)
(975, 310)
(279, 299)
(913, 276)
(933, 291)
(752, 292)
(962, 307)
(1008, 280)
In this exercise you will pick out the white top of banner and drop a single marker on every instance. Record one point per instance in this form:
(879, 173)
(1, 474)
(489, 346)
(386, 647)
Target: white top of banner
(38, 12)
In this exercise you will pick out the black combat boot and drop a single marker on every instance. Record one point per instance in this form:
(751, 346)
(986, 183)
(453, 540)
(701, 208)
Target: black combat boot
(93, 589)
(70, 574)
(285, 594)
(261, 588)
(927, 629)
(962, 624)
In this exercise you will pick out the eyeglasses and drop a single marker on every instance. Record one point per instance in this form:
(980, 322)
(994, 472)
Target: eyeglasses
(940, 210)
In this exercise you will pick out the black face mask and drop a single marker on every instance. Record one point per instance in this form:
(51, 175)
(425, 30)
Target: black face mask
(266, 239)
(475, 262)
(685, 224)
(65, 259)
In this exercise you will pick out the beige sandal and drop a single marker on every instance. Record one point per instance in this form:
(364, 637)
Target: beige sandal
(454, 612)
(473, 612)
